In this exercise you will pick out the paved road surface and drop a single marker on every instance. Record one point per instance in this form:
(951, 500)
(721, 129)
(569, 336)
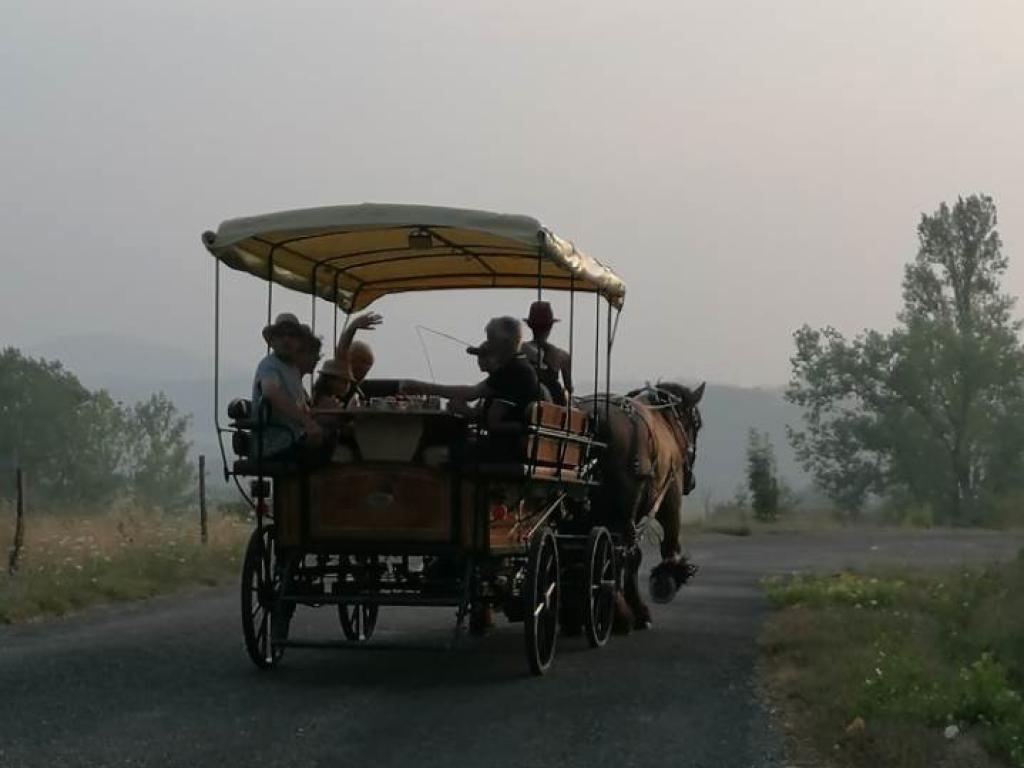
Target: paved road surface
(167, 683)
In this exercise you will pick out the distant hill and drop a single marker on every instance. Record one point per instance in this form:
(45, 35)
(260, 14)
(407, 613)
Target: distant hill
(132, 369)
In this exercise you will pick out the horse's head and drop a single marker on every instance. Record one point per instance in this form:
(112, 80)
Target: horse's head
(684, 406)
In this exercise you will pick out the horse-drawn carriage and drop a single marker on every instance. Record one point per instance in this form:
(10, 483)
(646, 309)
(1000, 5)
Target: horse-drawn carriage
(409, 510)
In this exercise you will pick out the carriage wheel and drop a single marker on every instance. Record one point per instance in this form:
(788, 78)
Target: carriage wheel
(540, 601)
(599, 586)
(264, 622)
(358, 620)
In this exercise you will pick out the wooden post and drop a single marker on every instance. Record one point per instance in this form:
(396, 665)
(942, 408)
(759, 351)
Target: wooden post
(19, 524)
(202, 499)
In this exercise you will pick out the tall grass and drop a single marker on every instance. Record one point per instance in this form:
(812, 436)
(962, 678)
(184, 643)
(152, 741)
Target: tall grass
(70, 561)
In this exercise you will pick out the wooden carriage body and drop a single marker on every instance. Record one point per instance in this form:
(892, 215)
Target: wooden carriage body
(412, 482)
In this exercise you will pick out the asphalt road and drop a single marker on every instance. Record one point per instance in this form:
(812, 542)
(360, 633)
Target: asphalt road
(167, 683)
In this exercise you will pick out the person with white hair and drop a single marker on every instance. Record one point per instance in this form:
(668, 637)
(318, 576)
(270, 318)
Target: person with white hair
(511, 385)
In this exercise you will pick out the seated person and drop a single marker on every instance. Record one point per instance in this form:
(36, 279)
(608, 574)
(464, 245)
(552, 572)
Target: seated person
(511, 385)
(554, 366)
(333, 387)
(357, 356)
(309, 353)
(278, 398)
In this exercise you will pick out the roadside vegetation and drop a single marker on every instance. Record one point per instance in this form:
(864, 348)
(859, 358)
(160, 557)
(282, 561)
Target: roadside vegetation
(69, 562)
(899, 668)
(110, 497)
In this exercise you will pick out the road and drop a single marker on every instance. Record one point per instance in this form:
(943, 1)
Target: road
(166, 683)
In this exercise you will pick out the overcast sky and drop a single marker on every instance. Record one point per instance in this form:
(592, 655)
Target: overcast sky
(745, 166)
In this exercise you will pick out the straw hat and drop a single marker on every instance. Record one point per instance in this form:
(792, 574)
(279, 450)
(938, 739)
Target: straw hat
(336, 368)
(281, 322)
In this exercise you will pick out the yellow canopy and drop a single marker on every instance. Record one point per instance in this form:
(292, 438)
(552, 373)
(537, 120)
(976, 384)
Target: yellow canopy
(354, 254)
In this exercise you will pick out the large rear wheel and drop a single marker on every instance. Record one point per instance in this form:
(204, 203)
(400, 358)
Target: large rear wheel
(599, 584)
(264, 622)
(540, 600)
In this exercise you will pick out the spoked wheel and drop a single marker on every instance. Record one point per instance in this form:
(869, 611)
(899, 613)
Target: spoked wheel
(599, 583)
(264, 621)
(540, 601)
(358, 620)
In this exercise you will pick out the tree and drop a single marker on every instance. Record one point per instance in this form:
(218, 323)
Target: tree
(83, 447)
(40, 407)
(761, 477)
(160, 472)
(934, 409)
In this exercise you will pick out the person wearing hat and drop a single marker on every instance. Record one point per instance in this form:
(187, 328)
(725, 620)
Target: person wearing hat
(554, 366)
(511, 385)
(334, 386)
(278, 396)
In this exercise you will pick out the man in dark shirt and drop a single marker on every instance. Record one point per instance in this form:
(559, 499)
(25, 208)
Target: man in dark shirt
(505, 394)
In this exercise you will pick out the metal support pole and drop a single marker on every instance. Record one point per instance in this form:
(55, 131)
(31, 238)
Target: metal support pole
(202, 499)
(572, 323)
(540, 275)
(608, 364)
(19, 524)
(597, 346)
(334, 346)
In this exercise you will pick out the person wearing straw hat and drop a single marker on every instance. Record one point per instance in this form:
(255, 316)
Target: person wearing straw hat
(554, 366)
(278, 396)
(334, 386)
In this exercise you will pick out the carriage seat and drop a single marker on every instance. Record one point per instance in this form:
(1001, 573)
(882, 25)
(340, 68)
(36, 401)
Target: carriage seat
(244, 433)
(557, 447)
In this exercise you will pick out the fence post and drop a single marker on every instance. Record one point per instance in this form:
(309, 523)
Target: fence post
(202, 499)
(19, 524)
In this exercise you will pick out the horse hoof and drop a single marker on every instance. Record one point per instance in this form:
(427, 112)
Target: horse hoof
(662, 587)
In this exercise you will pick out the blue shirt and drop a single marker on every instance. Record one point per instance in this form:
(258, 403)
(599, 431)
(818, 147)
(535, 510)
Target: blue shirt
(282, 430)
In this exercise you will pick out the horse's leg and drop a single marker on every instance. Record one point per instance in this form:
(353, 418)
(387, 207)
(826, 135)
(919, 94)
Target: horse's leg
(673, 571)
(631, 590)
(670, 516)
(630, 611)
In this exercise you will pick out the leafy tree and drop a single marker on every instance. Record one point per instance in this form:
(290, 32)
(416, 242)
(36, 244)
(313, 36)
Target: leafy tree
(40, 405)
(933, 410)
(762, 480)
(83, 447)
(160, 472)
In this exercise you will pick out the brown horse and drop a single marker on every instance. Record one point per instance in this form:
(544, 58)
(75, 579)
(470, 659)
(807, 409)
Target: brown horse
(647, 468)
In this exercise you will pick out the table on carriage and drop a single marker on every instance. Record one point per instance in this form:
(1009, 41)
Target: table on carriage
(410, 508)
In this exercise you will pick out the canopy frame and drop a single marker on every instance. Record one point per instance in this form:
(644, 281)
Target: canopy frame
(497, 246)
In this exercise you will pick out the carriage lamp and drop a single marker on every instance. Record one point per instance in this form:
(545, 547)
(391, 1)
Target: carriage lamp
(420, 240)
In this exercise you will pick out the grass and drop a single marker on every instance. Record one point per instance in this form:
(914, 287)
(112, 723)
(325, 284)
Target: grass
(69, 562)
(871, 669)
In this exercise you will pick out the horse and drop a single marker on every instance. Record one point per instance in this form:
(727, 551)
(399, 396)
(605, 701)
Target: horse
(646, 469)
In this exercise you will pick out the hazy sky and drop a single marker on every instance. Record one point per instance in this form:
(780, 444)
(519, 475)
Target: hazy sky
(745, 166)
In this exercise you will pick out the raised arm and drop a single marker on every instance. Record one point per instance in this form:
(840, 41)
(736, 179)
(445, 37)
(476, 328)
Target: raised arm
(367, 321)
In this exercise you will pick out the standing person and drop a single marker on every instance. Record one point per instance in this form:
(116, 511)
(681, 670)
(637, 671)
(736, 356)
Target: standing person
(278, 397)
(554, 367)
